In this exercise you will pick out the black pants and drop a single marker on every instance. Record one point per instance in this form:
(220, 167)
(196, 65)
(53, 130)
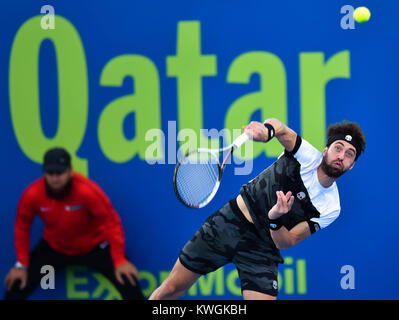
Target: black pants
(99, 259)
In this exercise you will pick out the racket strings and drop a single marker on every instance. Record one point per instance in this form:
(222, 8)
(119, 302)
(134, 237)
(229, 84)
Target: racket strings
(196, 180)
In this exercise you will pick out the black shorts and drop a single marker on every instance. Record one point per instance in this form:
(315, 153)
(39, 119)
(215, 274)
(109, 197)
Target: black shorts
(227, 236)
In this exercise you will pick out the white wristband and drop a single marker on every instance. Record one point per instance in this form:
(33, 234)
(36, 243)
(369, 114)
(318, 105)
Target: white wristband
(19, 265)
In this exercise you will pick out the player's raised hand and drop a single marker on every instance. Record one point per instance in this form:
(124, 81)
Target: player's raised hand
(256, 131)
(283, 205)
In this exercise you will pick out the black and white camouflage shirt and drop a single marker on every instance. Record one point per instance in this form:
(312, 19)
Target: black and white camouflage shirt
(294, 171)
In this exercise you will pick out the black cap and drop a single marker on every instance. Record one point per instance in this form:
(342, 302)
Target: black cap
(56, 159)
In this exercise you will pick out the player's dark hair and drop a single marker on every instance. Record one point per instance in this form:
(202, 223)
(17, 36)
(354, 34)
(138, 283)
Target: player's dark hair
(348, 128)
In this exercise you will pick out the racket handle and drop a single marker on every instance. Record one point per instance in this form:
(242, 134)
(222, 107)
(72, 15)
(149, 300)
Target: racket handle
(240, 141)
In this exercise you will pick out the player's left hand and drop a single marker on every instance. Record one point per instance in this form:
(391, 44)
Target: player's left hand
(283, 205)
(128, 270)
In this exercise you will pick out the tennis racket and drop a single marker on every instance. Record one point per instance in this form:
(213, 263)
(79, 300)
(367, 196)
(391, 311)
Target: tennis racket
(197, 175)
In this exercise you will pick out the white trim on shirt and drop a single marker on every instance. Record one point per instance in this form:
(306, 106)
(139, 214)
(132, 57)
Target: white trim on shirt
(325, 200)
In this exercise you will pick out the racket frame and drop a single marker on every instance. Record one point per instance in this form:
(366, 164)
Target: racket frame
(233, 146)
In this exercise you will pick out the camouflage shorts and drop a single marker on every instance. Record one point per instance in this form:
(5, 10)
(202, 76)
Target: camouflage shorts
(227, 236)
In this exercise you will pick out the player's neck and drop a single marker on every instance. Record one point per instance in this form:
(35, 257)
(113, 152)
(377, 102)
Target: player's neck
(325, 180)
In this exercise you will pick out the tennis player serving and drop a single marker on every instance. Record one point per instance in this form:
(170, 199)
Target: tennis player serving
(285, 204)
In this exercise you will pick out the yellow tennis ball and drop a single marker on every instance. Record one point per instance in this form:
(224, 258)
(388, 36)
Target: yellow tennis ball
(361, 14)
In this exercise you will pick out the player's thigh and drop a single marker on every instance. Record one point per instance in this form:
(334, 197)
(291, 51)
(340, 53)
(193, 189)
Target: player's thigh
(254, 295)
(257, 267)
(213, 245)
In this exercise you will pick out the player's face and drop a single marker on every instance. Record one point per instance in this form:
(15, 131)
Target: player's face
(338, 158)
(58, 180)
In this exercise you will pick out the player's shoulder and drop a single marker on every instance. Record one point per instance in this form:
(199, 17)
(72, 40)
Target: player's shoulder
(35, 189)
(307, 148)
(306, 154)
(34, 193)
(302, 148)
(85, 186)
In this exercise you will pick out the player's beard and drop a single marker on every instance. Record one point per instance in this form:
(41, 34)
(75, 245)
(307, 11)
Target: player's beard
(58, 194)
(330, 170)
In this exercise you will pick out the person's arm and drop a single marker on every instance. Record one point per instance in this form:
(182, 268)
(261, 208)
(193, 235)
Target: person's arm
(101, 207)
(283, 238)
(23, 223)
(286, 136)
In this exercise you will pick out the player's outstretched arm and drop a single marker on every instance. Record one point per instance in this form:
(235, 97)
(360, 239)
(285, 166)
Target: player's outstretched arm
(258, 132)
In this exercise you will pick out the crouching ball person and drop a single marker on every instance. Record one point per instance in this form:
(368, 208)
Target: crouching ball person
(286, 203)
(80, 227)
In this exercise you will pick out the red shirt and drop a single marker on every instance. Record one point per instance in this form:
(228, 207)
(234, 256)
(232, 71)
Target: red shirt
(72, 225)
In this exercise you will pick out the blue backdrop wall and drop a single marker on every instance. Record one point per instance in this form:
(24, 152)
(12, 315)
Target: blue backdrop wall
(116, 81)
